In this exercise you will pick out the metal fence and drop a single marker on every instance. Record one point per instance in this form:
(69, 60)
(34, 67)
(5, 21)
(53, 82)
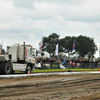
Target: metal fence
(73, 65)
(50, 66)
(82, 65)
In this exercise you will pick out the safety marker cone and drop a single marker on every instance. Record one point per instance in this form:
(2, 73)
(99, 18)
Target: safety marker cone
(98, 69)
(28, 72)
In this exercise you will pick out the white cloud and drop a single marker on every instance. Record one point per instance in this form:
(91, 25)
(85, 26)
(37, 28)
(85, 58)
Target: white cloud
(24, 3)
(29, 20)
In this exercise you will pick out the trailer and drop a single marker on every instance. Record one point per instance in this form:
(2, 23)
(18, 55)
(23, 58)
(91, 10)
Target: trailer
(17, 58)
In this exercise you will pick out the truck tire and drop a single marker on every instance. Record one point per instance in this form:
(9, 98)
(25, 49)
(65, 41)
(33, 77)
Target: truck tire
(2, 67)
(28, 69)
(8, 68)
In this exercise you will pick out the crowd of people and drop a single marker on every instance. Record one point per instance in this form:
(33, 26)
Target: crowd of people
(71, 63)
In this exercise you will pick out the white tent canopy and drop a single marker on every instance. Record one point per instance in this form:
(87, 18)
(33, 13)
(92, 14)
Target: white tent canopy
(46, 54)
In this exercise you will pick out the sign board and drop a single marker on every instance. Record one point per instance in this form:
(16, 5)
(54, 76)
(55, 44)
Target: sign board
(19, 67)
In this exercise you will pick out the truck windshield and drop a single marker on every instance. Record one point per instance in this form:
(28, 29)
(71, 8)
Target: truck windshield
(32, 52)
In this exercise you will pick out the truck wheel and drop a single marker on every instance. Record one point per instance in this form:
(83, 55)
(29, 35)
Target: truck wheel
(28, 69)
(2, 68)
(8, 68)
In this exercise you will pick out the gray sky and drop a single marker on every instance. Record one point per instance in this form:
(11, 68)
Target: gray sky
(30, 20)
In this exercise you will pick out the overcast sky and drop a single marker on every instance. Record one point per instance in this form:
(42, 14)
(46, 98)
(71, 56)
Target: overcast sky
(30, 20)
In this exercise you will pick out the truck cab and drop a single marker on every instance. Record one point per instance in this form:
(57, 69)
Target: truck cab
(19, 58)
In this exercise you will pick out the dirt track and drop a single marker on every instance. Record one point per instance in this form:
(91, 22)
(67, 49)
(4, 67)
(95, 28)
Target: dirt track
(67, 87)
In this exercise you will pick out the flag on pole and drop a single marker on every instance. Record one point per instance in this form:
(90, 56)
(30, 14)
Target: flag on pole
(56, 51)
(74, 45)
(40, 45)
(0, 46)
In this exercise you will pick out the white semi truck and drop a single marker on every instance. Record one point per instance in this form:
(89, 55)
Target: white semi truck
(17, 58)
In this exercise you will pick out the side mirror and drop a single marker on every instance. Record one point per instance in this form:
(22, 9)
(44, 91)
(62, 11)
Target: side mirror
(10, 57)
(37, 52)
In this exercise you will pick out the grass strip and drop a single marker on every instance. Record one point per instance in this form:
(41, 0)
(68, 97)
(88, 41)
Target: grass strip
(60, 70)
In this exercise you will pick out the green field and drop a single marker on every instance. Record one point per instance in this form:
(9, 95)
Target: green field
(60, 70)
(57, 70)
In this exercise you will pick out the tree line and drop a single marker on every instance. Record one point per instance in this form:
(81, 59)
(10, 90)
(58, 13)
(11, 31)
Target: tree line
(84, 46)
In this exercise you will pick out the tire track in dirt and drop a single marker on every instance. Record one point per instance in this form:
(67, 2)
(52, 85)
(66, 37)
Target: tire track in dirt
(55, 90)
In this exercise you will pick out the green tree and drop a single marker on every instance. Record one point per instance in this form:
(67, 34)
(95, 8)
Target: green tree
(50, 42)
(85, 46)
(67, 44)
(2, 51)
